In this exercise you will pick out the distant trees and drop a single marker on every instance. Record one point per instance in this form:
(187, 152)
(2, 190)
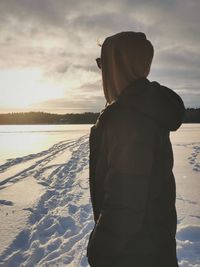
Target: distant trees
(191, 116)
(48, 118)
(79, 118)
(28, 118)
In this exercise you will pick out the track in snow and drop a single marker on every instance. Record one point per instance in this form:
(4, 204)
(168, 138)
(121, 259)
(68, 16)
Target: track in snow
(59, 226)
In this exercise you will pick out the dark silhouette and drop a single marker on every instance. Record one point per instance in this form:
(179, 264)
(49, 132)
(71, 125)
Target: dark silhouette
(132, 185)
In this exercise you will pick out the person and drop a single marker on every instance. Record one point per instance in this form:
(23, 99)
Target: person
(132, 186)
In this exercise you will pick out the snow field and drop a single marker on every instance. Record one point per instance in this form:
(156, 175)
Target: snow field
(58, 226)
(45, 208)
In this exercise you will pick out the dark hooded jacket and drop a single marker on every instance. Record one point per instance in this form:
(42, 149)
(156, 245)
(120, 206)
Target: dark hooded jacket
(132, 185)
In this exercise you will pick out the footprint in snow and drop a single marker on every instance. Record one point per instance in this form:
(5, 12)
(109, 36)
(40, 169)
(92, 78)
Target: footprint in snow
(6, 202)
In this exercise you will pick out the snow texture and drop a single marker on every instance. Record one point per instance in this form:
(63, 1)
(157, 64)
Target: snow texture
(46, 214)
(58, 224)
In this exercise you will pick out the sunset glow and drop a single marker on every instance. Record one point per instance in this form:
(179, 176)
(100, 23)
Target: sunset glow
(24, 88)
(48, 50)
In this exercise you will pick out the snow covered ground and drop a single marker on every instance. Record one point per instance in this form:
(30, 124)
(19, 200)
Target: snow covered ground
(45, 209)
(186, 146)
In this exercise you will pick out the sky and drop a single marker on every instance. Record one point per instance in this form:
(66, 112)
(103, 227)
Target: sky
(48, 50)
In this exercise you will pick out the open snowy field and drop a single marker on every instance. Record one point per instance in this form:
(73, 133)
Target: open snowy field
(45, 209)
(186, 146)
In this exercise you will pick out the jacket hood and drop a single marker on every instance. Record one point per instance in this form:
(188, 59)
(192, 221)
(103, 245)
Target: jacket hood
(152, 99)
(125, 57)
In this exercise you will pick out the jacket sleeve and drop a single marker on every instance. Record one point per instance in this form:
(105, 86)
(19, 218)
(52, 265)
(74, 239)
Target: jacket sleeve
(130, 156)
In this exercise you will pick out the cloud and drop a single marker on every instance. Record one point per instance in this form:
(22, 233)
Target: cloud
(74, 105)
(60, 38)
(86, 98)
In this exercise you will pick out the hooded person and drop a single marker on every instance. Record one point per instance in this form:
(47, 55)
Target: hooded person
(132, 185)
(125, 57)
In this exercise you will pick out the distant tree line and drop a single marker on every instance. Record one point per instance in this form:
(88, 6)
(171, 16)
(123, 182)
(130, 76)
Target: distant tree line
(48, 118)
(192, 115)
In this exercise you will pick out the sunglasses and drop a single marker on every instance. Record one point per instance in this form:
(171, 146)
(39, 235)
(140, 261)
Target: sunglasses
(98, 60)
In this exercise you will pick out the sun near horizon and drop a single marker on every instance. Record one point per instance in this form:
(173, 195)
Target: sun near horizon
(24, 88)
(48, 51)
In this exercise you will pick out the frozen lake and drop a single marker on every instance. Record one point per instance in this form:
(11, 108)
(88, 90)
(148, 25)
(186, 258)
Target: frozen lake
(186, 147)
(45, 208)
(21, 140)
